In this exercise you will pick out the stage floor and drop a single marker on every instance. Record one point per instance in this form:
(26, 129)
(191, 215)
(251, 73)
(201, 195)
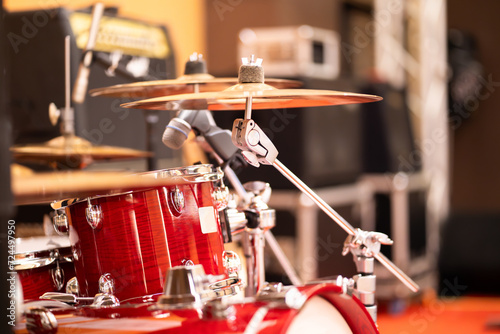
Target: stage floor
(440, 315)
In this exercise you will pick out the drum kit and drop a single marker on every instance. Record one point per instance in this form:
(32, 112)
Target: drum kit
(145, 252)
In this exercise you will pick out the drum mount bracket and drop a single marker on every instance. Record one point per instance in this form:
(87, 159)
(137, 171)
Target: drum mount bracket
(363, 246)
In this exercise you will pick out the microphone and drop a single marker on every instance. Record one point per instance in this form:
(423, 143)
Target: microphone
(203, 123)
(176, 133)
(82, 78)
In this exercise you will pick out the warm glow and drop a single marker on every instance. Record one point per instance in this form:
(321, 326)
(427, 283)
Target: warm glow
(185, 19)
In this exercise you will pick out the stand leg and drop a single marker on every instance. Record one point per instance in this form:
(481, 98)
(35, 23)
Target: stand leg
(253, 246)
(282, 259)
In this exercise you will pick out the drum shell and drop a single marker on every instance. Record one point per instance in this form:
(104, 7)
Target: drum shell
(140, 236)
(38, 279)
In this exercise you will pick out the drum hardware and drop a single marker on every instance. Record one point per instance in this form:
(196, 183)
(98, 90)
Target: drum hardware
(184, 287)
(105, 300)
(67, 298)
(232, 263)
(106, 284)
(177, 200)
(57, 275)
(236, 218)
(189, 287)
(260, 218)
(187, 263)
(257, 149)
(73, 287)
(363, 246)
(220, 196)
(282, 296)
(225, 225)
(278, 309)
(60, 222)
(39, 320)
(251, 93)
(93, 213)
(256, 194)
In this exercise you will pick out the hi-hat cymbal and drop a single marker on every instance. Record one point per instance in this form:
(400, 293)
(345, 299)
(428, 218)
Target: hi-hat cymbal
(182, 85)
(72, 152)
(263, 97)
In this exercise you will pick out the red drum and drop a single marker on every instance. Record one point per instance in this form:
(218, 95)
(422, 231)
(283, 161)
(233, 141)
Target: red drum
(126, 242)
(320, 308)
(325, 309)
(44, 264)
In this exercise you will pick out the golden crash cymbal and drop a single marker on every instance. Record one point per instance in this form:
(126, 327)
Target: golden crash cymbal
(72, 152)
(183, 85)
(263, 97)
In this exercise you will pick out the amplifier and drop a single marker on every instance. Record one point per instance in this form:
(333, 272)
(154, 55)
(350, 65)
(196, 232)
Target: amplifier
(126, 51)
(300, 51)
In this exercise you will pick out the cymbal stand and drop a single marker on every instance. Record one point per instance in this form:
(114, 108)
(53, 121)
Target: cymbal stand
(258, 149)
(260, 220)
(68, 119)
(67, 113)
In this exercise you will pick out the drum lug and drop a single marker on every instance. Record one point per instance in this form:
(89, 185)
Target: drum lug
(105, 300)
(60, 223)
(106, 284)
(40, 320)
(93, 214)
(177, 200)
(220, 195)
(231, 262)
(72, 287)
(58, 277)
(187, 262)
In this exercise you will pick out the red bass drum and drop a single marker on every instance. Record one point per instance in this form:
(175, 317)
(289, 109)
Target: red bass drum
(319, 308)
(124, 243)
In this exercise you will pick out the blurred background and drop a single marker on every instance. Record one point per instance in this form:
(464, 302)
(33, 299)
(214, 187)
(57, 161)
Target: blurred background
(420, 166)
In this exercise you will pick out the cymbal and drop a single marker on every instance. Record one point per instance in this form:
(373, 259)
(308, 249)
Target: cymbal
(182, 85)
(47, 187)
(72, 152)
(263, 97)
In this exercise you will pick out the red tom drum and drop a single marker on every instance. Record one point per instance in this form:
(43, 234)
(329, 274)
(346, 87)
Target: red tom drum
(44, 264)
(124, 243)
